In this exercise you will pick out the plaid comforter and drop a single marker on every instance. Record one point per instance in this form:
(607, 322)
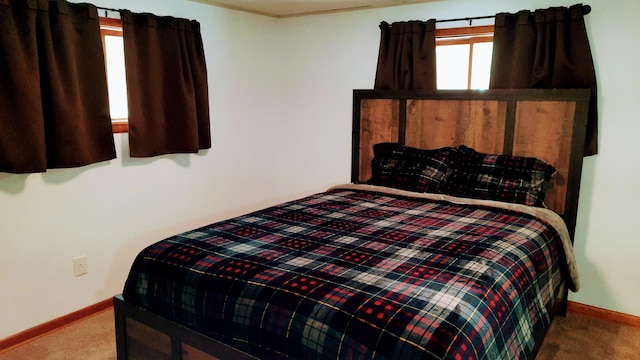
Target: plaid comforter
(355, 274)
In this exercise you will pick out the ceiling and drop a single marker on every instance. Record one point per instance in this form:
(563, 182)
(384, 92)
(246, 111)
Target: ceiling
(291, 8)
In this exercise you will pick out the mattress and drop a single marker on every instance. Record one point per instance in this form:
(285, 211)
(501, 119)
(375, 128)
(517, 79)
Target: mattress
(363, 272)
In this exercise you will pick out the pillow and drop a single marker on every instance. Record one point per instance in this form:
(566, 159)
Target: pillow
(407, 168)
(514, 179)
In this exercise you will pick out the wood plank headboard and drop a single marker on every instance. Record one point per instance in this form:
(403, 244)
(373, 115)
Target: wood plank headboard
(547, 124)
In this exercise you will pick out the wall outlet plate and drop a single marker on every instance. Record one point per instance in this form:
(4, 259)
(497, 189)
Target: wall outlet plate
(80, 265)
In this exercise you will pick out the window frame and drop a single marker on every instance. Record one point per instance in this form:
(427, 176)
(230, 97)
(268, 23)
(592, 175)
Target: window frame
(112, 27)
(469, 35)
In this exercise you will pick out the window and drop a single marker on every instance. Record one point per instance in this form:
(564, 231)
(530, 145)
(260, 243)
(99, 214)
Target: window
(113, 48)
(463, 57)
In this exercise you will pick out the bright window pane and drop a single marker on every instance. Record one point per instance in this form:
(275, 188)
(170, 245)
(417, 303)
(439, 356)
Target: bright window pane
(452, 64)
(116, 78)
(481, 65)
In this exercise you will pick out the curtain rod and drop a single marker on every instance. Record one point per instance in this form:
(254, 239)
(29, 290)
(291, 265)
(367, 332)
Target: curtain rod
(107, 11)
(586, 9)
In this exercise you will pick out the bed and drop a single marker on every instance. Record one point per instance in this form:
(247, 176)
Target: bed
(390, 266)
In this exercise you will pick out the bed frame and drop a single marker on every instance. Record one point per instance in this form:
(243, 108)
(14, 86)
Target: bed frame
(547, 124)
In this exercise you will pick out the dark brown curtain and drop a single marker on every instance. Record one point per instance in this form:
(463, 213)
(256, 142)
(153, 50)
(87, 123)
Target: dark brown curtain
(547, 48)
(166, 85)
(407, 56)
(54, 107)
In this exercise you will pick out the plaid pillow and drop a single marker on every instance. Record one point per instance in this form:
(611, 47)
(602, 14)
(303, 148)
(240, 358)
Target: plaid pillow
(407, 168)
(514, 179)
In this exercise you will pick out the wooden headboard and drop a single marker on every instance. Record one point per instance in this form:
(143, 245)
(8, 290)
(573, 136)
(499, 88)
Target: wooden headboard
(547, 124)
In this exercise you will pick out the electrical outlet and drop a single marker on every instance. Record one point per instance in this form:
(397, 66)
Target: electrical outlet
(80, 265)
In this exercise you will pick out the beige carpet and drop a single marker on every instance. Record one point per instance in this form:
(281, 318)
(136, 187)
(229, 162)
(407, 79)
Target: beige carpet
(574, 337)
(580, 336)
(91, 339)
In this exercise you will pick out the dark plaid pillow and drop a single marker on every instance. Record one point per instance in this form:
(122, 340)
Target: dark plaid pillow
(407, 168)
(514, 179)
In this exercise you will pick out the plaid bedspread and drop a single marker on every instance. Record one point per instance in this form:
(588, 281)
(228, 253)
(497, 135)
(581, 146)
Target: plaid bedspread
(350, 274)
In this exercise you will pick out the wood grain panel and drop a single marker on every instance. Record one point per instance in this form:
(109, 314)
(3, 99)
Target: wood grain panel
(191, 353)
(544, 129)
(380, 121)
(479, 124)
(146, 343)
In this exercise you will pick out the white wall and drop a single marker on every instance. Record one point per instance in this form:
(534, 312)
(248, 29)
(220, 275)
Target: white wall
(281, 120)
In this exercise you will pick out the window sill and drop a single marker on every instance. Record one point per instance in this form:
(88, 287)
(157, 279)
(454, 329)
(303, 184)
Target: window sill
(120, 126)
